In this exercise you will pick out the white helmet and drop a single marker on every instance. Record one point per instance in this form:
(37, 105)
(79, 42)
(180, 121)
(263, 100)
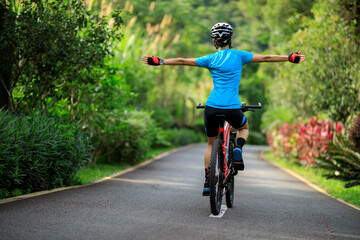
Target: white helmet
(221, 30)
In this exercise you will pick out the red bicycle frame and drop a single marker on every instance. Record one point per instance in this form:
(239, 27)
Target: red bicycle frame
(224, 132)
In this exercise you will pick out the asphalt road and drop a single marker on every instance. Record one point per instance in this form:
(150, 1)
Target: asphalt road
(163, 201)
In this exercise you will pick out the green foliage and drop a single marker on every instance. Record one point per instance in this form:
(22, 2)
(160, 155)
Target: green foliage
(56, 48)
(162, 117)
(183, 136)
(38, 152)
(125, 140)
(98, 171)
(285, 17)
(274, 117)
(355, 134)
(256, 138)
(342, 162)
(328, 81)
(253, 90)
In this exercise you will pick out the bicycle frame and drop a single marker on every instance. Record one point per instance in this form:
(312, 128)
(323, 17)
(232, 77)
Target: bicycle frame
(221, 169)
(224, 135)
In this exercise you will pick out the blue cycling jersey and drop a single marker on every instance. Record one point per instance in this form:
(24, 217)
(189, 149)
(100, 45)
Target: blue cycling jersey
(225, 67)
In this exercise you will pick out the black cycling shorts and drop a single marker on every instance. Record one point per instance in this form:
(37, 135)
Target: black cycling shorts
(235, 117)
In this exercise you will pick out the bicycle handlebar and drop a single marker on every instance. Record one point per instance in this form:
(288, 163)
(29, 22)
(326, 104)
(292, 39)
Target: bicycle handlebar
(199, 106)
(243, 107)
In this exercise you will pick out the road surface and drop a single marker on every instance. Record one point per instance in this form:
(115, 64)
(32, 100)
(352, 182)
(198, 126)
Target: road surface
(163, 200)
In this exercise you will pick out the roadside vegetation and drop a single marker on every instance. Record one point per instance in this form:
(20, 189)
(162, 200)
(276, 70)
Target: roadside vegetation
(71, 71)
(101, 170)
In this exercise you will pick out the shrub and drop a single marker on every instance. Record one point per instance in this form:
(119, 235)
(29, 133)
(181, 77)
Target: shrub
(162, 117)
(130, 137)
(38, 152)
(304, 140)
(355, 134)
(313, 138)
(273, 117)
(256, 138)
(126, 139)
(341, 161)
(184, 136)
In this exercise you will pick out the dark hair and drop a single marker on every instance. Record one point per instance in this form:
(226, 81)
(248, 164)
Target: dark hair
(222, 42)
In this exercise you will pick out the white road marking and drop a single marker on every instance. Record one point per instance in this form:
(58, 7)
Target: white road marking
(222, 212)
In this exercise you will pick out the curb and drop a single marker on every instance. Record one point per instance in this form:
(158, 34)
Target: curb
(307, 182)
(130, 169)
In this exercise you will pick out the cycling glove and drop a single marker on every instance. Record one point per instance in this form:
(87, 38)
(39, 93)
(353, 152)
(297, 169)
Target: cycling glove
(154, 61)
(294, 57)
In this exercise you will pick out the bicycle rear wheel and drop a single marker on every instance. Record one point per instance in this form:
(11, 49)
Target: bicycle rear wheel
(216, 177)
(230, 191)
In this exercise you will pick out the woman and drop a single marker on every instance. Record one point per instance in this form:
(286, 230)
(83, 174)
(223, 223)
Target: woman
(225, 67)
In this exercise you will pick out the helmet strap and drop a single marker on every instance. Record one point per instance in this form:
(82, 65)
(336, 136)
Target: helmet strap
(214, 42)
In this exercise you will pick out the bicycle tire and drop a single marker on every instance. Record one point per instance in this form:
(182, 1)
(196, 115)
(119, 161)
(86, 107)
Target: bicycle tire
(216, 177)
(230, 192)
(231, 185)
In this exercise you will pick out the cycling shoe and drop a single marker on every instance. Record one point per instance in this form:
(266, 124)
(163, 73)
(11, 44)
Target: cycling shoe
(239, 163)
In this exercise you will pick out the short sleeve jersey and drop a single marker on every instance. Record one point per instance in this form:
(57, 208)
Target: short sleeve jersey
(225, 67)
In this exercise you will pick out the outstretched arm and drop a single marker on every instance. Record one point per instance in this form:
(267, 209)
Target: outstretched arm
(171, 61)
(257, 58)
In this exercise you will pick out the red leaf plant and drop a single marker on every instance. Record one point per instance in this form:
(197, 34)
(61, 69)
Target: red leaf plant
(304, 140)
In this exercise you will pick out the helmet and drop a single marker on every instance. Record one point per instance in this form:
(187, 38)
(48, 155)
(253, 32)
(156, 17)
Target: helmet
(221, 30)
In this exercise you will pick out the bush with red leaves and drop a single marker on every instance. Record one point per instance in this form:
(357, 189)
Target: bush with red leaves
(304, 140)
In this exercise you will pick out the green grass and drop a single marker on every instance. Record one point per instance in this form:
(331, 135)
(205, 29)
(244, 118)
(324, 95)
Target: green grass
(98, 171)
(334, 187)
(154, 152)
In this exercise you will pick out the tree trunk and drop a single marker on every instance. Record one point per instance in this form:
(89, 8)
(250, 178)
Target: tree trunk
(7, 29)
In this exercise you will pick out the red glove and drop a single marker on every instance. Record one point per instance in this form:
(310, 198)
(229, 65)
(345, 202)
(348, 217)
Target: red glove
(294, 57)
(153, 61)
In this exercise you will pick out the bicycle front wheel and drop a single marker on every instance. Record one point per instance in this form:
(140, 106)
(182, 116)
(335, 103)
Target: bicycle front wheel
(216, 177)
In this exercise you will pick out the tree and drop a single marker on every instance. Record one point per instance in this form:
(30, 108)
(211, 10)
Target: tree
(329, 80)
(51, 47)
(7, 25)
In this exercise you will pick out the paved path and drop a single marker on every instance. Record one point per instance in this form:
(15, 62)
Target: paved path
(163, 201)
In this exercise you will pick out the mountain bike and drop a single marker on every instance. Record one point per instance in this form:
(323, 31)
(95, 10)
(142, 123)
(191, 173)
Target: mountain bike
(222, 171)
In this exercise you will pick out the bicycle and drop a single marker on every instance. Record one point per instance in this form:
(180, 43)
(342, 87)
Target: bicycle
(222, 172)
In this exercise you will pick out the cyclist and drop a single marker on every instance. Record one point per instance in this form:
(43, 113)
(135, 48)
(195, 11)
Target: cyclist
(225, 67)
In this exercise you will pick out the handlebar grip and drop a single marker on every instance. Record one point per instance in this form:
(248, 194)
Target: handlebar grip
(259, 106)
(199, 106)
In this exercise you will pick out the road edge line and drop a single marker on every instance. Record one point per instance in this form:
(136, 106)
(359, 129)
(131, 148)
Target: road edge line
(306, 181)
(130, 169)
